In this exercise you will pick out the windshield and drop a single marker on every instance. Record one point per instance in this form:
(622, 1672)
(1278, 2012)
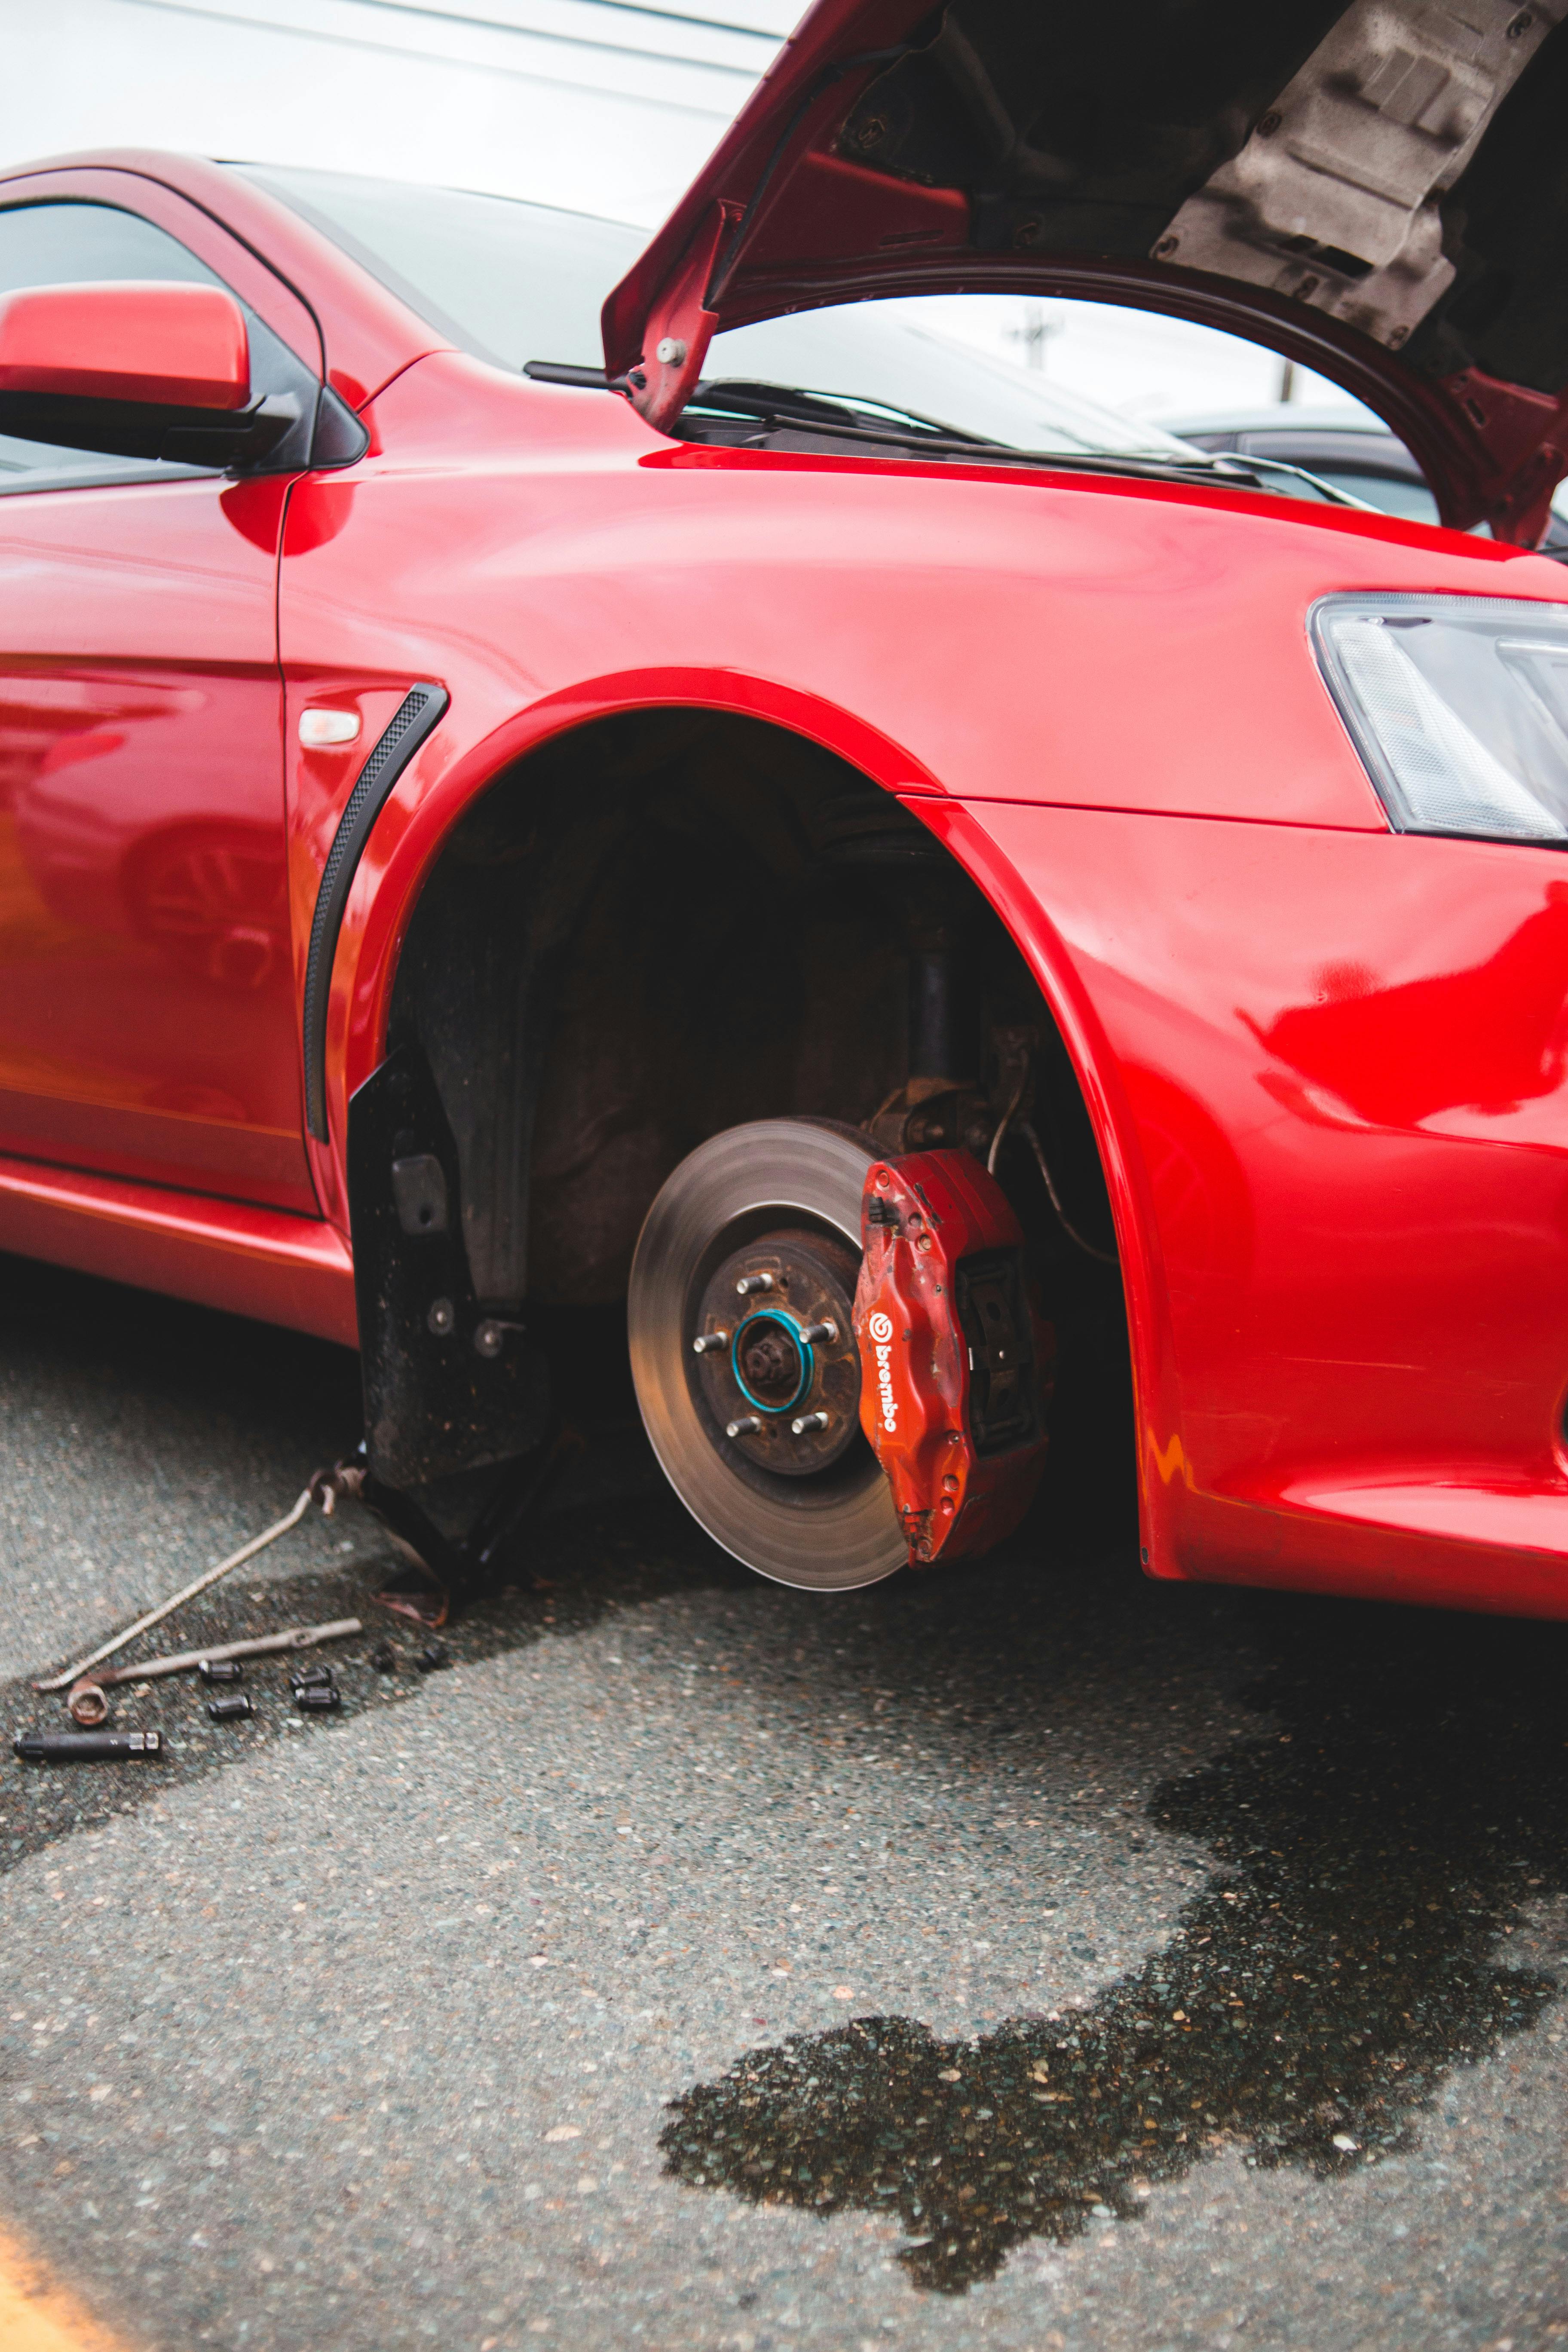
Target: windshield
(513, 282)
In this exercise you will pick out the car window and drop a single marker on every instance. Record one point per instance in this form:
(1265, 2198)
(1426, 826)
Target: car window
(508, 281)
(71, 244)
(512, 282)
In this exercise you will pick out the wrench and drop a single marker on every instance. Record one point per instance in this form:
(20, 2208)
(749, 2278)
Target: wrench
(88, 1705)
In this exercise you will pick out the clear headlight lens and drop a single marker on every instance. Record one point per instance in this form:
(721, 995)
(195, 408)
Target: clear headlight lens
(1459, 705)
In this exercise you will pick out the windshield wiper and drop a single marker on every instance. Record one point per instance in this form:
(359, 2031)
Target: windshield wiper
(1330, 491)
(778, 405)
(782, 405)
(734, 396)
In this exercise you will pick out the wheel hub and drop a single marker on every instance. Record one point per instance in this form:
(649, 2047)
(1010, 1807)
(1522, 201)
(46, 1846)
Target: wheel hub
(779, 1371)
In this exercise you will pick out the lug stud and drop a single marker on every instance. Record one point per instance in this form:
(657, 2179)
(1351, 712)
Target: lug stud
(747, 1426)
(707, 1342)
(489, 1336)
(749, 1282)
(808, 1420)
(812, 1332)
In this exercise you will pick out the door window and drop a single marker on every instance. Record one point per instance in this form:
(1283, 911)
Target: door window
(73, 244)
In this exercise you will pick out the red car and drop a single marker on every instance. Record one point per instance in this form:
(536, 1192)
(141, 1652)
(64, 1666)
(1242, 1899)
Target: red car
(778, 831)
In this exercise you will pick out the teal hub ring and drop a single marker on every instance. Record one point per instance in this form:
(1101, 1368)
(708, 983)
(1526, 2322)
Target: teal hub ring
(787, 1323)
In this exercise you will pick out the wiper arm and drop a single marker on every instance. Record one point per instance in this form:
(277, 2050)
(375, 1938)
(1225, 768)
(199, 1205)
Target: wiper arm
(784, 405)
(737, 397)
(1329, 491)
(788, 403)
(772, 405)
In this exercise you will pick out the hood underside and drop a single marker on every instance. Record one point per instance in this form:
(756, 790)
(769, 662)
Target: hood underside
(1379, 192)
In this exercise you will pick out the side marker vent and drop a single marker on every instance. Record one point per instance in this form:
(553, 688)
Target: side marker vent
(420, 709)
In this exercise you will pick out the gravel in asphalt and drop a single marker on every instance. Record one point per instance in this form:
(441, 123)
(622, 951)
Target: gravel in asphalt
(1026, 1956)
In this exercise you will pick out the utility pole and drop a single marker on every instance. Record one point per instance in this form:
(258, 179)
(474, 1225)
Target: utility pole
(1035, 333)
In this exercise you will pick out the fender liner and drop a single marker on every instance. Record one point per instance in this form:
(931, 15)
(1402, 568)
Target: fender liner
(421, 708)
(449, 1385)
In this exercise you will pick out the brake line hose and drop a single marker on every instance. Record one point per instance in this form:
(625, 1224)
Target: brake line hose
(1106, 1258)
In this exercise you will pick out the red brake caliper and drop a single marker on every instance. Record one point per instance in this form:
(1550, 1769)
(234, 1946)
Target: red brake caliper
(954, 1361)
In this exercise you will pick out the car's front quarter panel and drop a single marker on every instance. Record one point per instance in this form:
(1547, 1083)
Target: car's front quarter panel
(1341, 1058)
(1325, 1059)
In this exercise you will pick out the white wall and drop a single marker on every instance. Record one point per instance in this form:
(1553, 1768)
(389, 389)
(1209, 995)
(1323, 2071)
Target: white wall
(590, 103)
(599, 105)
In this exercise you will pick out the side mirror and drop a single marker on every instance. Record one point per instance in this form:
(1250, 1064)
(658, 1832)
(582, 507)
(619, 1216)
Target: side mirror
(136, 369)
(165, 346)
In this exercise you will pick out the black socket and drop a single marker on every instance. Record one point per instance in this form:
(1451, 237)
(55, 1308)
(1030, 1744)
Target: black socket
(229, 1706)
(221, 1670)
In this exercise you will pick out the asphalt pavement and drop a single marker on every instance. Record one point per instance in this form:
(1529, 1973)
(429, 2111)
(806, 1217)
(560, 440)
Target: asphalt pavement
(1021, 1956)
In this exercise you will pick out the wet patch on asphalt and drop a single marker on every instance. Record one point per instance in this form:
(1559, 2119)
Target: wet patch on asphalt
(41, 1803)
(1377, 1848)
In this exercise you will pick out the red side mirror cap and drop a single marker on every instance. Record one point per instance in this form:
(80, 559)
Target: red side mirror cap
(164, 344)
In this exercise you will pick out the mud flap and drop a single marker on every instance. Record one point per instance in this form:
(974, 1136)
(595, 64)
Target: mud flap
(955, 1360)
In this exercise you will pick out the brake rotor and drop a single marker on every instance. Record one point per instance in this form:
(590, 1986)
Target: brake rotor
(752, 1249)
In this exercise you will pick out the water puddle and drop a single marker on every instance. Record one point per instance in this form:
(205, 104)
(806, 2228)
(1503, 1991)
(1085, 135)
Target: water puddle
(1376, 1849)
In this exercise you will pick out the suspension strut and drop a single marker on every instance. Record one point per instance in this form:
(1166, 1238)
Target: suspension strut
(940, 1101)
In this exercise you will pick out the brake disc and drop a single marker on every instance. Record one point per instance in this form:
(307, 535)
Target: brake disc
(752, 1249)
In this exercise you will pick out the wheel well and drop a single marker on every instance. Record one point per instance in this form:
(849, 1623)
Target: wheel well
(665, 924)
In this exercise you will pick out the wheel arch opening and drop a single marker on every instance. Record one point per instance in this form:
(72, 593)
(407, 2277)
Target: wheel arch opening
(653, 928)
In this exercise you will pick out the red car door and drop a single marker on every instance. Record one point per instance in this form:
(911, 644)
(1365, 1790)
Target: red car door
(147, 1020)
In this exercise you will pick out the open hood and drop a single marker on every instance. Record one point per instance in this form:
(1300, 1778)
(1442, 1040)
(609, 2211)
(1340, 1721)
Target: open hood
(1379, 192)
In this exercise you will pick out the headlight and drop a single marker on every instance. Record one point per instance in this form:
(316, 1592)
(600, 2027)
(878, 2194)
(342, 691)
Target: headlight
(1459, 705)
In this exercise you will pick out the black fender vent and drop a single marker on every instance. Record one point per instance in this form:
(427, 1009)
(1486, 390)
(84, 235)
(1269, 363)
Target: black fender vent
(413, 720)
